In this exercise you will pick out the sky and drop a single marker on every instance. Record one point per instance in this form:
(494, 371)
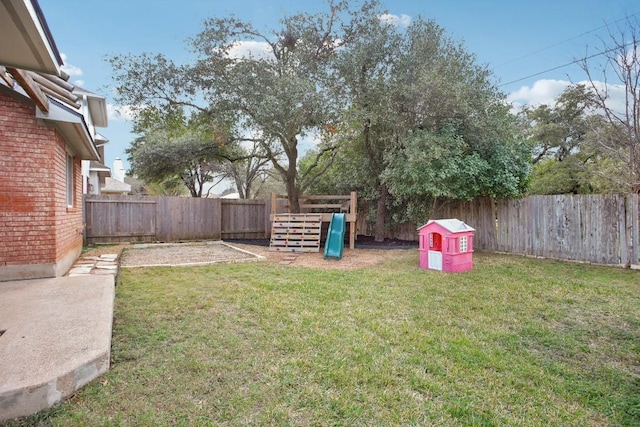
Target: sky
(525, 43)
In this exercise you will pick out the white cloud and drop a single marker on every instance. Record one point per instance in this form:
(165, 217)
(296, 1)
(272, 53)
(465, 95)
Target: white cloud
(72, 70)
(79, 83)
(547, 91)
(542, 92)
(395, 20)
(119, 113)
(244, 49)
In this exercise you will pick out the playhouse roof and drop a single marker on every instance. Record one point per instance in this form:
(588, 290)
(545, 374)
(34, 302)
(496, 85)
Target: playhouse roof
(453, 225)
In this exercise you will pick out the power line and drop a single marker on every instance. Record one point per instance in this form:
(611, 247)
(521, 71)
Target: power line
(575, 61)
(567, 40)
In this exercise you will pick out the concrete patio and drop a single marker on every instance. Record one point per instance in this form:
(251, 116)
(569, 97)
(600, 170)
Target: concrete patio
(55, 337)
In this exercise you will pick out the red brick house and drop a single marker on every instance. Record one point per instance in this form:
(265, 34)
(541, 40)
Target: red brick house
(45, 132)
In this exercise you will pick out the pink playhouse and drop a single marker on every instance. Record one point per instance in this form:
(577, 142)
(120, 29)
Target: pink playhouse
(446, 245)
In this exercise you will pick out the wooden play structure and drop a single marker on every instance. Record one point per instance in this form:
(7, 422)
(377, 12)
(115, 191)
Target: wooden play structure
(301, 232)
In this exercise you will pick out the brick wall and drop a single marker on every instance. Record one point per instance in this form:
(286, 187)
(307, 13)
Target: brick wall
(37, 230)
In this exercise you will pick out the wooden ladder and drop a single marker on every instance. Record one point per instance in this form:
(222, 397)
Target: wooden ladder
(296, 232)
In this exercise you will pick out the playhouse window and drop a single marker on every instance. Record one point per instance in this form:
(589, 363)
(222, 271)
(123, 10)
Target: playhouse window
(463, 244)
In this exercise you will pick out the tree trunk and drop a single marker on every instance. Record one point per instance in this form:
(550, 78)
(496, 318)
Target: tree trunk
(293, 192)
(293, 197)
(381, 212)
(240, 188)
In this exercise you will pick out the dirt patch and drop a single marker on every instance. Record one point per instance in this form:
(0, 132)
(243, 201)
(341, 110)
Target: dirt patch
(351, 259)
(213, 252)
(151, 255)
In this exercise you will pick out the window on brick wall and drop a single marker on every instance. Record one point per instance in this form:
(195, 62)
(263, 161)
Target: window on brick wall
(69, 180)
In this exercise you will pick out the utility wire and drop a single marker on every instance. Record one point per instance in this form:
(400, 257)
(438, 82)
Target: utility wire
(575, 61)
(567, 40)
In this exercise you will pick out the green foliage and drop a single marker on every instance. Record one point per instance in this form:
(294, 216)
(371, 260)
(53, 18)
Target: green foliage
(347, 170)
(550, 176)
(168, 187)
(282, 92)
(427, 120)
(619, 67)
(574, 147)
(173, 148)
(445, 164)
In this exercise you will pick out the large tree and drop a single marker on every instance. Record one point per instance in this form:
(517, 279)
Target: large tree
(277, 90)
(414, 93)
(367, 71)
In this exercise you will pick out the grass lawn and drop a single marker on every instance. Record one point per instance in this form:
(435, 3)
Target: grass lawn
(515, 341)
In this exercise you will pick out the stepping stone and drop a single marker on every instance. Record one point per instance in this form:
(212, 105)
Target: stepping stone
(104, 272)
(108, 257)
(78, 271)
(103, 263)
(106, 266)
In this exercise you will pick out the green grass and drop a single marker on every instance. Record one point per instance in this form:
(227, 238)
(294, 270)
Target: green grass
(514, 342)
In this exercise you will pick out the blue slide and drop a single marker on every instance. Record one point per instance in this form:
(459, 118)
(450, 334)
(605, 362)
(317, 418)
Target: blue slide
(334, 245)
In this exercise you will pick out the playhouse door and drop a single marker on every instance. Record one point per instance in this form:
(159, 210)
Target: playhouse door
(435, 260)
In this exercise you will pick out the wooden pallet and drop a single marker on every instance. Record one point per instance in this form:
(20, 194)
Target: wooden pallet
(296, 233)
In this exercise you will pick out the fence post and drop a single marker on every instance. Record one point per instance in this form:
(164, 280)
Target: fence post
(631, 238)
(268, 210)
(274, 204)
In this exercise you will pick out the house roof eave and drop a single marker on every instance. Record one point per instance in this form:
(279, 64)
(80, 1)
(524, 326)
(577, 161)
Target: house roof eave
(97, 107)
(73, 128)
(27, 42)
(98, 110)
(101, 139)
(95, 166)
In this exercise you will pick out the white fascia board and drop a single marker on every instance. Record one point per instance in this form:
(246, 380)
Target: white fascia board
(73, 128)
(26, 40)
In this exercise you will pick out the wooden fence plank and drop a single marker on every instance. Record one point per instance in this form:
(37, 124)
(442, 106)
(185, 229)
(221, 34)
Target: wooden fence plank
(111, 219)
(631, 233)
(142, 218)
(188, 218)
(245, 219)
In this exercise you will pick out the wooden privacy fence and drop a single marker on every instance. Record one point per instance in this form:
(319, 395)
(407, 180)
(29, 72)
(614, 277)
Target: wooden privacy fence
(111, 219)
(600, 228)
